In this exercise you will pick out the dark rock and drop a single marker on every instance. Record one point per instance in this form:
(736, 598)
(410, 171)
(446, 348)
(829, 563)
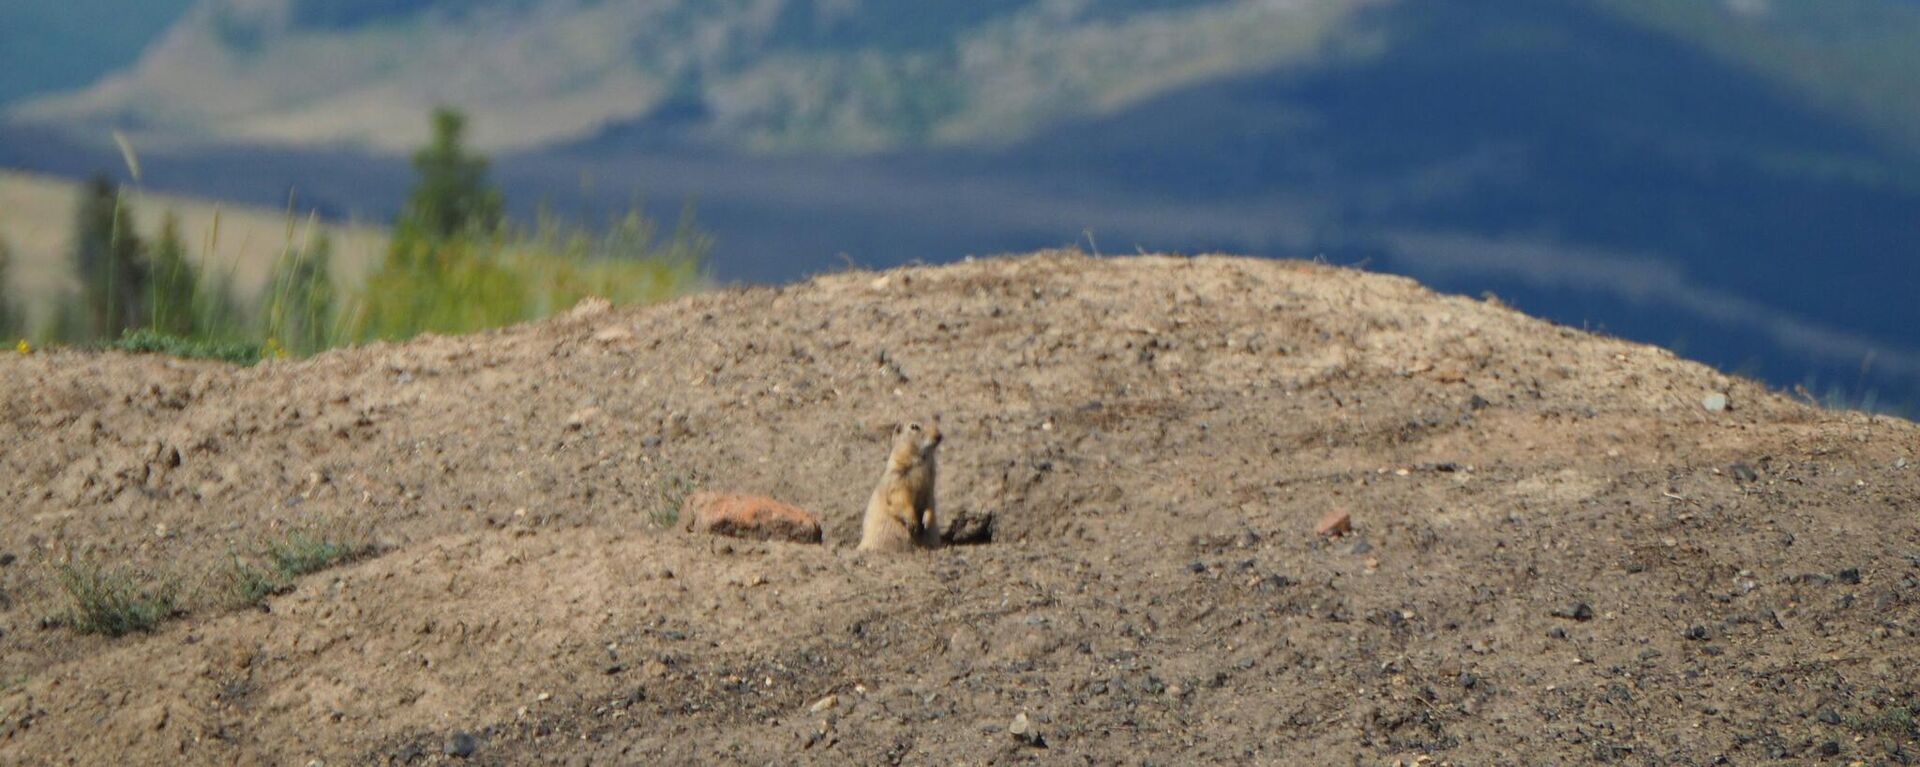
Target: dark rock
(650, 441)
(7, 559)
(1557, 633)
(1196, 567)
(1477, 402)
(1578, 611)
(969, 527)
(1024, 729)
(461, 744)
(1850, 575)
(1361, 547)
(1469, 680)
(1828, 716)
(1743, 473)
(1830, 748)
(1698, 633)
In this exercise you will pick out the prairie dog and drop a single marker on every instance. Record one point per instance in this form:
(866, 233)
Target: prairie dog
(900, 513)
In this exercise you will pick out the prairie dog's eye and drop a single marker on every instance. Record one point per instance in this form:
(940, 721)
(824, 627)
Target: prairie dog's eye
(913, 427)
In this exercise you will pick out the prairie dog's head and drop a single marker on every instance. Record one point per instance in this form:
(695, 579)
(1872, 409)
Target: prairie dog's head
(916, 439)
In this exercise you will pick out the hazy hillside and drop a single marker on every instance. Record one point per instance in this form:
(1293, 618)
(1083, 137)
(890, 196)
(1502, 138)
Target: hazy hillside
(848, 75)
(766, 75)
(56, 46)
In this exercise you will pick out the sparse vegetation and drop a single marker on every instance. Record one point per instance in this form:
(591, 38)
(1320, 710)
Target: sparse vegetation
(152, 342)
(115, 602)
(12, 321)
(455, 265)
(670, 493)
(278, 562)
(111, 264)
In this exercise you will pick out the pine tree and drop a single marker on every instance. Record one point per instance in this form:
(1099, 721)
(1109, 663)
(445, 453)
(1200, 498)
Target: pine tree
(107, 255)
(301, 307)
(452, 195)
(13, 325)
(176, 303)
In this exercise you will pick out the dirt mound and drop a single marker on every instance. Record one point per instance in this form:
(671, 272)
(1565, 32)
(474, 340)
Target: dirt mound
(1558, 554)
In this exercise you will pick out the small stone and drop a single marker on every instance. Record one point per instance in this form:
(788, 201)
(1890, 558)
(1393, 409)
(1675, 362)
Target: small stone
(1850, 575)
(1830, 748)
(1578, 611)
(1361, 547)
(461, 744)
(1334, 524)
(582, 417)
(1716, 403)
(612, 334)
(749, 516)
(823, 704)
(7, 559)
(1742, 472)
(1698, 633)
(1023, 729)
(1828, 716)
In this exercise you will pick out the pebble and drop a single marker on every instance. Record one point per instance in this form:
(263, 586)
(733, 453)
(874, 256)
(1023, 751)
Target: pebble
(460, 744)
(1742, 472)
(1698, 632)
(1579, 611)
(1023, 729)
(1716, 403)
(1334, 524)
(7, 559)
(824, 703)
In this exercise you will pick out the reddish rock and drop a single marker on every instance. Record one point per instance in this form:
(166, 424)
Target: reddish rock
(1335, 524)
(756, 517)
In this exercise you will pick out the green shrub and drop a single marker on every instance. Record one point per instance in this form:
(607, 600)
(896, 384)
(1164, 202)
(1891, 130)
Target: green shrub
(150, 342)
(280, 561)
(670, 494)
(114, 602)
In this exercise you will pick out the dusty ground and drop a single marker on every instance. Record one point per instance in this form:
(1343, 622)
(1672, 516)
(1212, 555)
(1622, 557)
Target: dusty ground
(1155, 438)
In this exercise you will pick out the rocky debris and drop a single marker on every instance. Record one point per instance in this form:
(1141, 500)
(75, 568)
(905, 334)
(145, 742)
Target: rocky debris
(824, 704)
(7, 559)
(1578, 611)
(754, 517)
(1743, 473)
(1716, 403)
(1023, 729)
(460, 744)
(1698, 633)
(969, 527)
(582, 417)
(612, 334)
(1334, 524)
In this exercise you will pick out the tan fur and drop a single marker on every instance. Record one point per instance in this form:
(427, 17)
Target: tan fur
(900, 514)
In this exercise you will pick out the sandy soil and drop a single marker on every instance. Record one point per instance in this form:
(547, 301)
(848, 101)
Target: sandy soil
(1559, 555)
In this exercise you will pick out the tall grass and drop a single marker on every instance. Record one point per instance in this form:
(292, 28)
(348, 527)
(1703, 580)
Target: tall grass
(459, 284)
(482, 280)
